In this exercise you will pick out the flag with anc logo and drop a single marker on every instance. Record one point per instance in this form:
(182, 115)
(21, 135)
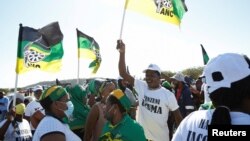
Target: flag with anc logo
(88, 48)
(170, 11)
(204, 55)
(39, 48)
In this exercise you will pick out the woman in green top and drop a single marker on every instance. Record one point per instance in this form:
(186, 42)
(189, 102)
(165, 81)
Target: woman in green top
(78, 96)
(120, 127)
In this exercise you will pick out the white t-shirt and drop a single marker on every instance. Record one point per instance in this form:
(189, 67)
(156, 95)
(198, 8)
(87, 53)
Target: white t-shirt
(22, 131)
(154, 107)
(31, 108)
(50, 124)
(195, 125)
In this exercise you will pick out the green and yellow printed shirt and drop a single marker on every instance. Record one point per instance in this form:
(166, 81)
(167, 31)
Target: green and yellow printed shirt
(126, 130)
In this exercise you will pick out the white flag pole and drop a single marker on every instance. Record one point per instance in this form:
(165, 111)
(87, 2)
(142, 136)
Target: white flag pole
(123, 17)
(15, 91)
(78, 59)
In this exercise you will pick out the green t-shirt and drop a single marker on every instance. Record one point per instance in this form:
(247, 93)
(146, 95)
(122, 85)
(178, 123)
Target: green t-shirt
(127, 130)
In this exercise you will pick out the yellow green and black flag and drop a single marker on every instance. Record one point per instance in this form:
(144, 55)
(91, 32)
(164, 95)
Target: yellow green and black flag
(39, 48)
(170, 11)
(204, 55)
(88, 48)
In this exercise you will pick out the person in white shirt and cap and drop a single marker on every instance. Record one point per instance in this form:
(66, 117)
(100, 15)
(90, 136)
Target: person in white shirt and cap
(227, 79)
(182, 94)
(155, 102)
(34, 111)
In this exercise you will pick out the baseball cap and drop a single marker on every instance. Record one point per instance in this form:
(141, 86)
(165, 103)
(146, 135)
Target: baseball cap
(179, 77)
(153, 67)
(123, 99)
(37, 87)
(225, 69)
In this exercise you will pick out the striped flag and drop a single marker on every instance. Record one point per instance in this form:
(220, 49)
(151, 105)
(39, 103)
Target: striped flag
(39, 48)
(204, 55)
(170, 11)
(88, 48)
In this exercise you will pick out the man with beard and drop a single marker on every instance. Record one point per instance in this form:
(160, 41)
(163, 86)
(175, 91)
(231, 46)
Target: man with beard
(155, 102)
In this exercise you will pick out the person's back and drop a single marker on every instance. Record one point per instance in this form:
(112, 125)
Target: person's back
(229, 93)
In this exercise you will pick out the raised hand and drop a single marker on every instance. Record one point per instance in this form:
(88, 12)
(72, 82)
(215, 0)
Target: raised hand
(120, 46)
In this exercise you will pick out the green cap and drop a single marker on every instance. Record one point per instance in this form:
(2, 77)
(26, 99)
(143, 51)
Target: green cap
(123, 99)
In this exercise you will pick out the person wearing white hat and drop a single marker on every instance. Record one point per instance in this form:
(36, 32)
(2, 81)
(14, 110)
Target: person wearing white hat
(183, 94)
(155, 102)
(34, 111)
(227, 79)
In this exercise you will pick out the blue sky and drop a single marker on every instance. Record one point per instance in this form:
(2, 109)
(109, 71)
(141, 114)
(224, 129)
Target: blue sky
(220, 25)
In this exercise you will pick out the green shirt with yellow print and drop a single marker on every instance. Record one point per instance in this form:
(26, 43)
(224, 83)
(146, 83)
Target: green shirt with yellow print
(126, 130)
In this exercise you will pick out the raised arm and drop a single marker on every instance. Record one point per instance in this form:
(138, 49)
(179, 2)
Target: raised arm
(122, 65)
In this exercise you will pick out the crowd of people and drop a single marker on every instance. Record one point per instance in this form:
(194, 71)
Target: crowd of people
(130, 109)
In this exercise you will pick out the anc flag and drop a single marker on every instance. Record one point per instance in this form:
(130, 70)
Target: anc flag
(39, 48)
(204, 54)
(170, 11)
(88, 48)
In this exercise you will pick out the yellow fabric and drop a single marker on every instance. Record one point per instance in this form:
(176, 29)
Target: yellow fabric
(20, 108)
(53, 66)
(118, 94)
(86, 53)
(151, 9)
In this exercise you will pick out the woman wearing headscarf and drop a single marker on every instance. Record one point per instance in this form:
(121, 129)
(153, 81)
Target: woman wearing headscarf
(78, 96)
(58, 111)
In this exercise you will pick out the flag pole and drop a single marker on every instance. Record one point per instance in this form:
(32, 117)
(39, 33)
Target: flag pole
(78, 70)
(78, 60)
(15, 91)
(18, 45)
(123, 17)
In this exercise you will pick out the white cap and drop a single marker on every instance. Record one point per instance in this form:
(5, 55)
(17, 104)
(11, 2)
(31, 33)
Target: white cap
(153, 67)
(37, 87)
(179, 77)
(225, 69)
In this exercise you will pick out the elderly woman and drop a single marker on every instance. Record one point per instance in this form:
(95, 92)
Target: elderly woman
(58, 109)
(95, 121)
